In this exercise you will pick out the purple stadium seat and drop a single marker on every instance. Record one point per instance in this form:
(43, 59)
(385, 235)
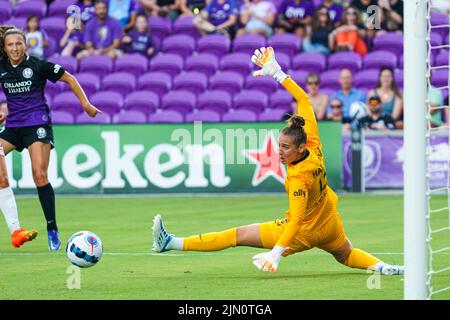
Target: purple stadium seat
(171, 64)
(121, 82)
(439, 19)
(166, 116)
(53, 88)
(204, 62)
(216, 44)
(251, 100)
(160, 27)
(157, 82)
(400, 61)
(6, 11)
(439, 78)
(129, 116)
(267, 85)
(67, 101)
(398, 75)
(203, 116)
(283, 59)
(100, 65)
(366, 79)
(59, 8)
(90, 82)
(134, 63)
(51, 48)
(217, 100)
(309, 61)
(329, 80)
(31, 7)
(237, 62)
(231, 82)
(179, 100)
(101, 118)
(109, 102)
(280, 100)
(271, 115)
(143, 101)
(18, 22)
(192, 81)
(68, 63)
(239, 116)
(345, 60)
(287, 43)
(380, 59)
(180, 44)
(62, 117)
(436, 39)
(442, 58)
(299, 76)
(54, 26)
(49, 100)
(247, 43)
(390, 41)
(184, 25)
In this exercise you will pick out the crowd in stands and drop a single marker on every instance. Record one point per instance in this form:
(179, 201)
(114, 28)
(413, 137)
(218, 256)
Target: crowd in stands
(339, 51)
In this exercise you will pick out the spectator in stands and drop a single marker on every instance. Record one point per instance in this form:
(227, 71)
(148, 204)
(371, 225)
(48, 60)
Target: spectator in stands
(87, 10)
(350, 35)
(337, 114)
(192, 7)
(219, 16)
(36, 38)
(317, 40)
(72, 41)
(347, 94)
(391, 98)
(295, 16)
(319, 100)
(376, 119)
(124, 11)
(363, 7)
(335, 11)
(162, 8)
(257, 17)
(439, 114)
(139, 39)
(392, 15)
(102, 35)
(370, 17)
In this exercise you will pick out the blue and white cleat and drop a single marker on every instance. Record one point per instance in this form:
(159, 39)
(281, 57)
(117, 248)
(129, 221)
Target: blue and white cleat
(391, 270)
(161, 238)
(53, 240)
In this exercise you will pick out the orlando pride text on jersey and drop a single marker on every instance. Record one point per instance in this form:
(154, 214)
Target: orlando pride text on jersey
(24, 87)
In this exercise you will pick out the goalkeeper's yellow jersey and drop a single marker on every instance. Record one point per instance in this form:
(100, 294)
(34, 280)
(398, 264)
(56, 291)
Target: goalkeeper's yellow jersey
(310, 198)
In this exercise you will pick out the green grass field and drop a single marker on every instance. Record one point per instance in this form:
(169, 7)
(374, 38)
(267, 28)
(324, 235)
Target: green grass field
(129, 269)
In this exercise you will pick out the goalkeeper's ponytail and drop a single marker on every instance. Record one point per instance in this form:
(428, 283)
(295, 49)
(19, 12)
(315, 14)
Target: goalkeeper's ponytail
(295, 128)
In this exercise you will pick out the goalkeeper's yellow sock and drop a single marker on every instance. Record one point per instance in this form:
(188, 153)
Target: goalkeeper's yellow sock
(361, 259)
(211, 241)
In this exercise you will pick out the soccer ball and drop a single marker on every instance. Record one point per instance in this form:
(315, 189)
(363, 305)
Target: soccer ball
(84, 249)
(358, 110)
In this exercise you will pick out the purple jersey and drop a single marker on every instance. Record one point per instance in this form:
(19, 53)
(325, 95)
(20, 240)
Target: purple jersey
(24, 86)
(220, 12)
(293, 10)
(87, 12)
(335, 12)
(102, 34)
(141, 42)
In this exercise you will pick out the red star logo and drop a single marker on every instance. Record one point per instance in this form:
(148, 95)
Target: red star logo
(267, 162)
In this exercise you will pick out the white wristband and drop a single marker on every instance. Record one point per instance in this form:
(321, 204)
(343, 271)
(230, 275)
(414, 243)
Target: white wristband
(278, 251)
(280, 76)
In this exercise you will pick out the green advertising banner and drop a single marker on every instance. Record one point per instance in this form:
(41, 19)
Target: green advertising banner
(169, 158)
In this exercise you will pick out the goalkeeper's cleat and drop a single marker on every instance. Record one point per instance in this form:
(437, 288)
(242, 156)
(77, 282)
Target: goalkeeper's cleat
(20, 236)
(53, 240)
(161, 238)
(390, 270)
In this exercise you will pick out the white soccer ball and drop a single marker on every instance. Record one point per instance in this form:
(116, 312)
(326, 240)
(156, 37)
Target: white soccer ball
(358, 110)
(84, 249)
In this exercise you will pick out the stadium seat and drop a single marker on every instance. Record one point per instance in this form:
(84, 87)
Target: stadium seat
(109, 102)
(442, 58)
(309, 61)
(280, 100)
(180, 100)
(68, 63)
(239, 116)
(271, 115)
(251, 100)
(380, 59)
(345, 60)
(180, 44)
(166, 116)
(299, 76)
(247, 43)
(100, 65)
(59, 8)
(6, 11)
(216, 44)
(19, 22)
(129, 116)
(439, 19)
(203, 115)
(143, 101)
(90, 82)
(439, 78)
(390, 41)
(134, 63)
(101, 118)
(286, 43)
(160, 27)
(192, 81)
(54, 27)
(185, 25)
(366, 79)
(157, 82)
(329, 80)
(205, 63)
(51, 49)
(68, 102)
(62, 117)
(283, 59)
(267, 85)
(216, 100)
(121, 82)
(28, 8)
(436, 39)
(171, 64)
(230, 81)
(53, 88)
(237, 62)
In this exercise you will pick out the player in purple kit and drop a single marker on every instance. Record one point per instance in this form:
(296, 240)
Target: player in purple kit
(139, 39)
(28, 123)
(295, 16)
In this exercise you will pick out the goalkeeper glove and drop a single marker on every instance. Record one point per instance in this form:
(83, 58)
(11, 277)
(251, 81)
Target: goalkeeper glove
(268, 261)
(265, 58)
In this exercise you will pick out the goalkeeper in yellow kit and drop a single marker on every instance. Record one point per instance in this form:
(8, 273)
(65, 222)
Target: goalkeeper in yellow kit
(312, 219)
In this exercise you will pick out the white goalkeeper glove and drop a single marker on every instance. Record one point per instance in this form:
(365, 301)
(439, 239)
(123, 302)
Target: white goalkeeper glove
(265, 58)
(268, 261)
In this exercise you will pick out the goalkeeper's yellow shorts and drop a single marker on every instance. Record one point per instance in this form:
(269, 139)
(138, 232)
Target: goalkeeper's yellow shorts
(329, 236)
